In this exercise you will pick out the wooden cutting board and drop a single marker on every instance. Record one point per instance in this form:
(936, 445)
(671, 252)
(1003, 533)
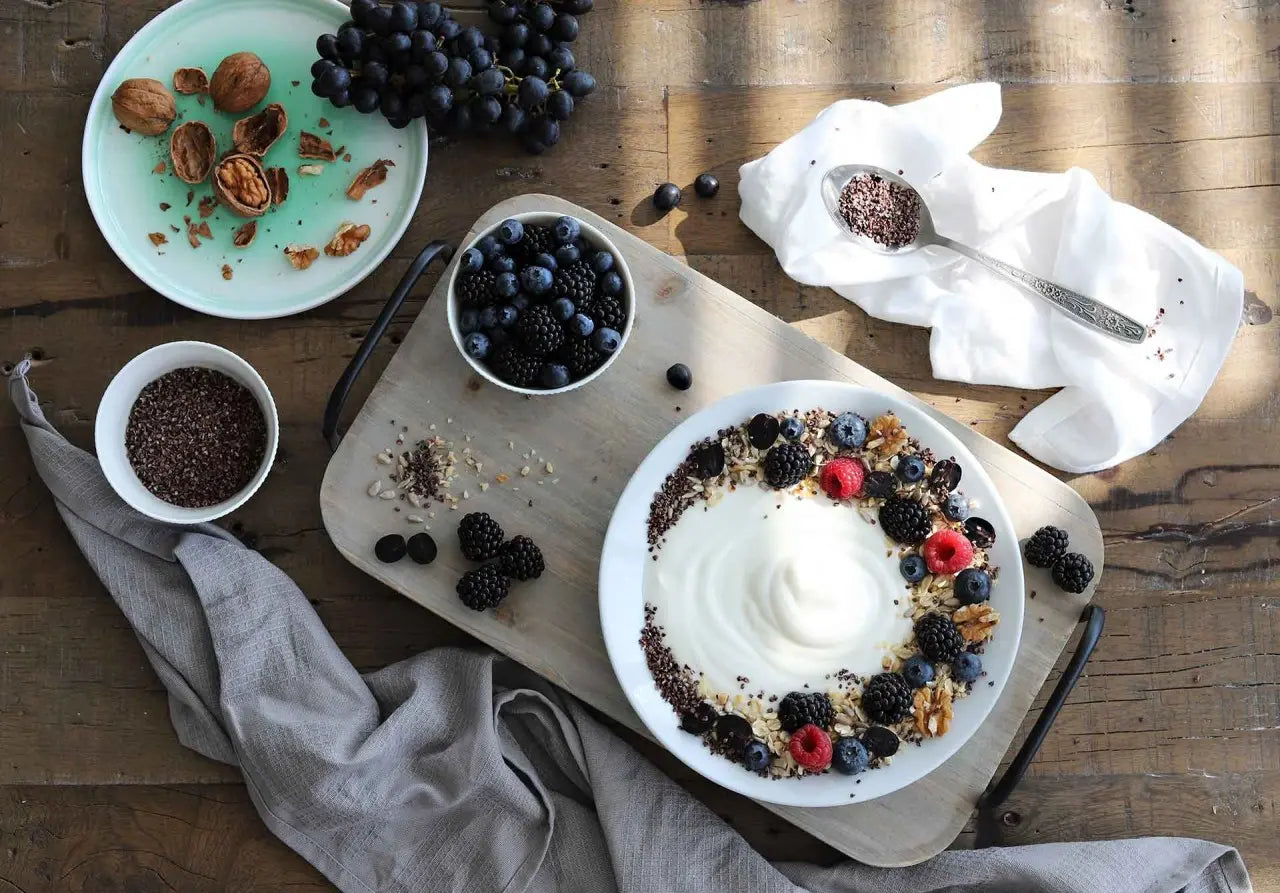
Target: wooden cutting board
(593, 439)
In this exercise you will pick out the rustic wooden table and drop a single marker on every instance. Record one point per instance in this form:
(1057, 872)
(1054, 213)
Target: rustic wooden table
(1172, 104)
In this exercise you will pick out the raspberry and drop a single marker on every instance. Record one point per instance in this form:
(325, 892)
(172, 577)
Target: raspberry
(811, 748)
(947, 552)
(842, 477)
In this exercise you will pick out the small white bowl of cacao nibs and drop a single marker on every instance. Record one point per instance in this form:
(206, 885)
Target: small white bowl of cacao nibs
(541, 303)
(186, 432)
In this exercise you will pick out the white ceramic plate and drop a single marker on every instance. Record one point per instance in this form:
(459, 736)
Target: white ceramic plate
(125, 195)
(622, 568)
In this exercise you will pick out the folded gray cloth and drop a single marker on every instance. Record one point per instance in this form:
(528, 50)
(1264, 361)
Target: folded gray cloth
(460, 770)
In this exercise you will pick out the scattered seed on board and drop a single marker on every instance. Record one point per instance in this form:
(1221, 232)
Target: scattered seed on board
(549, 468)
(414, 519)
(385, 458)
(524, 472)
(387, 494)
(375, 488)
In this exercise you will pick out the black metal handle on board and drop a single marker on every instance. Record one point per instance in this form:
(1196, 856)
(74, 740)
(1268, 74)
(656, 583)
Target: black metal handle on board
(337, 399)
(998, 791)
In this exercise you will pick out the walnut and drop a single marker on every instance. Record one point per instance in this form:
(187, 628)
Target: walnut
(312, 146)
(144, 105)
(240, 183)
(256, 134)
(157, 239)
(976, 623)
(347, 239)
(373, 175)
(189, 81)
(244, 236)
(278, 178)
(239, 83)
(300, 256)
(193, 150)
(226, 272)
(887, 435)
(933, 710)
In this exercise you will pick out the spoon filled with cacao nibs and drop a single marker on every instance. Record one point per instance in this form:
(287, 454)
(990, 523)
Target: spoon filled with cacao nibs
(881, 211)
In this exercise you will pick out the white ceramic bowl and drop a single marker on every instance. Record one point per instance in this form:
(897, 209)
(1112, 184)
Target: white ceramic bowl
(598, 241)
(122, 393)
(622, 572)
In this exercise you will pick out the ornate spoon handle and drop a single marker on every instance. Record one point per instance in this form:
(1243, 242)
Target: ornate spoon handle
(1086, 310)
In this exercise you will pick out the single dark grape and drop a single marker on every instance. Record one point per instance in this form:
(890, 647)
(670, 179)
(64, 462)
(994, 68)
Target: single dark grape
(318, 89)
(404, 15)
(542, 17)
(439, 99)
(375, 75)
(320, 66)
(435, 65)
(416, 104)
(489, 82)
(579, 83)
(421, 44)
(360, 10)
(396, 43)
(706, 185)
(536, 66)
(666, 196)
(393, 104)
(373, 51)
(577, 7)
(486, 109)
(459, 72)
(480, 59)
(460, 119)
(545, 131)
(514, 119)
(516, 35)
(341, 99)
(379, 20)
(560, 106)
(561, 59)
(327, 46)
(539, 45)
(469, 39)
(503, 13)
(350, 43)
(334, 79)
(532, 92)
(399, 123)
(512, 58)
(430, 14)
(365, 99)
(448, 30)
(565, 28)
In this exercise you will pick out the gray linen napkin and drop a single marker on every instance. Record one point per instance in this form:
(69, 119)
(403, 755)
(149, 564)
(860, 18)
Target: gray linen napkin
(460, 770)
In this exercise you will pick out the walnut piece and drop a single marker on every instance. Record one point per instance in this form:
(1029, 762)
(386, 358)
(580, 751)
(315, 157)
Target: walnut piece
(933, 710)
(244, 236)
(256, 134)
(196, 230)
(300, 256)
(239, 83)
(190, 81)
(157, 239)
(312, 146)
(240, 183)
(144, 105)
(193, 150)
(310, 170)
(226, 272)
(347, 240)
(976, 623)
(208, 204)
(278, 180)
(373, 175)
(887, 435)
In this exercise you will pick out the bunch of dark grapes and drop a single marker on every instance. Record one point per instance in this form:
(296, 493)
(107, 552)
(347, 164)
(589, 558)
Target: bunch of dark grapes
(413, 60)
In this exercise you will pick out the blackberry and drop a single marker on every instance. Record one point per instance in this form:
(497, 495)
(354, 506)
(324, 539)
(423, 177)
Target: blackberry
(476, 289)
(904, 521)
(521, 559)
(1046, 546)
(581, 358)
(482, 588)
(479, 536)
(799, 708)
(577, 282)
(886, 698)
(1073, 572)
(938, 638)
(514, 366)
(787, 465)
(539, 331)
(608, 312)
(536, 240)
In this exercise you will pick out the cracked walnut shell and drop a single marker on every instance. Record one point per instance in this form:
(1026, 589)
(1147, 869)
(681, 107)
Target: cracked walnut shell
(348, 238)
(193, 150)
(239, 83)
(933, 710)
(241, 184)
(190, 81)
(256, 134)
(373, 175)
(144, 106)
(278, 179)
(976, 623)
(244, 236)
(312, 146)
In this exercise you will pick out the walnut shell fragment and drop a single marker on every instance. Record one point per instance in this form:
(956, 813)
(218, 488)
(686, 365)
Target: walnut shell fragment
(241, 184)
(239, 83)
(157, 239)
(193, 150)
(278, 179)
(348, 238)
(190, 81)
(312, 146)
(244, 236)
(256, 134)
(373, 175)
(227, 272)
(300, 256)
(144, 105)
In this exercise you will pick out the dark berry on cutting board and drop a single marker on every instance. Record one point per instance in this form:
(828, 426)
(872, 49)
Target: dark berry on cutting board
(801, 708)
(972, 585)
(880, 741)
(698, 720)
(787, 465)
(521, 559)
(980, 532)
(666, 197)
(938, 638)
(422, 548)
(706, 185)
(1046, 546)
(483, 588)
(762, 430)
(390, 548)
(709, 457)
(904, 520)
(679, 377)
(1073, 572)
(886, 698)
(479, 536)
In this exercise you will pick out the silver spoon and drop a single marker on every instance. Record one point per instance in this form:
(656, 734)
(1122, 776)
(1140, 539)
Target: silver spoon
(1084, 309)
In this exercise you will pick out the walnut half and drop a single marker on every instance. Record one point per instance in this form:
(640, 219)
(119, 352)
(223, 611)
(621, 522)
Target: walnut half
(300, 256)
(241, 184)
(347, 240)
(976, 623)
(933, 710)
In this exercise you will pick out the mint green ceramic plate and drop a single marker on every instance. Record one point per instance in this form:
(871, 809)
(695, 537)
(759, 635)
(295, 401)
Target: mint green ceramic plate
(126, 195)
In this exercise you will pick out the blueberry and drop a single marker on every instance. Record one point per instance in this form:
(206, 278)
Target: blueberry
(580, 325)
(422, 548)
(390, 548)
(666, 197)
(917, 671)
(849, 756)
(553, 375)
(956, 508)
(501, 263)
(489, 318)
(706, 185)
(468, 321)
(756, 755)
(489, 246)
(680, 377)
(606, 340)
(511, 231)
(911, 469)
(602, 262)
(562, 309)
(567, 254)
(792, 428)
(507, 316)
(476, 345)
(520, 302)
(542, 259)
(611, 283)
(471, 260)
(912, 568)
(567, 230)
(535, 280)
(848, 431)
(972, 586)
(505, 285)
(967, 667)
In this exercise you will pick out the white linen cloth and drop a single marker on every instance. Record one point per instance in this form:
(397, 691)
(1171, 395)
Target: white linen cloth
(1117, 400)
